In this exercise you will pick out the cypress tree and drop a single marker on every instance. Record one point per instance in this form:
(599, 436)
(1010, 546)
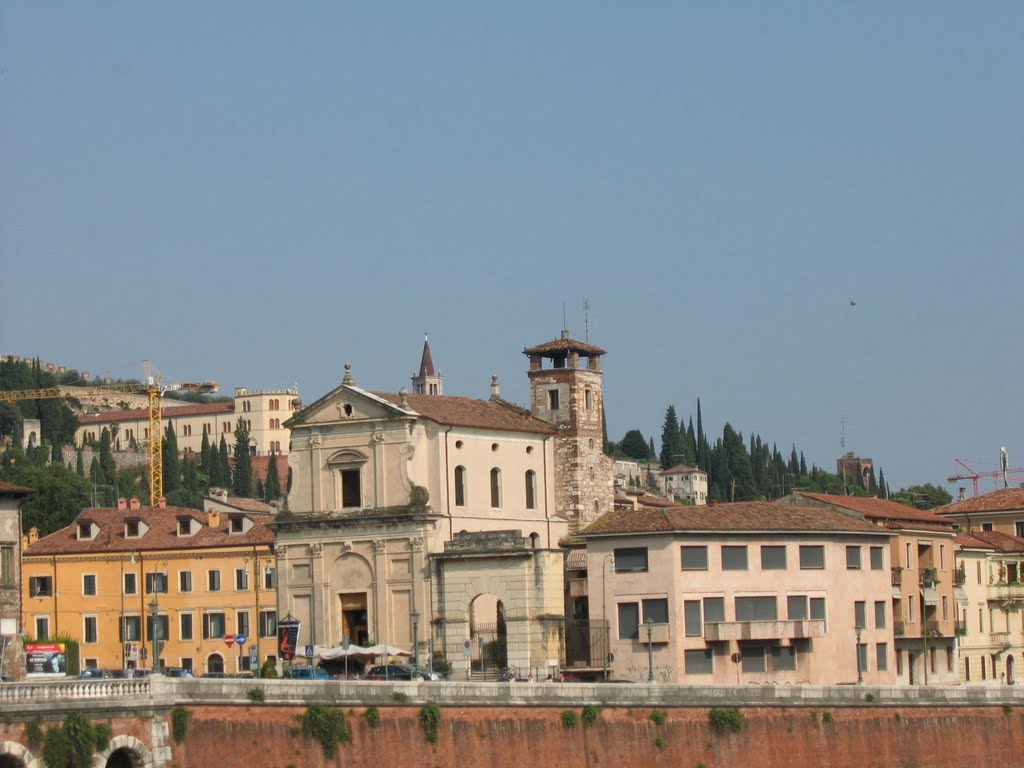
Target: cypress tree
(604, 431)
(79, 463)
(803, 464)
(222, 464)
(272, 489)
(261, 491)
(650, 448)
(669, 438)
(241, 481)
(172, 464)
(205, 454)
(883, 491)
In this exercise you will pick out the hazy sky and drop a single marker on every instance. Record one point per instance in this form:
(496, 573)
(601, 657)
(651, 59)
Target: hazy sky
(259, 192)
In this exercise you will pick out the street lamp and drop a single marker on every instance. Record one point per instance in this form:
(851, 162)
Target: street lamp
(860, 671)
(415, 615)
(258, 575)
(604, 610)
(650, 649)
(154, 610)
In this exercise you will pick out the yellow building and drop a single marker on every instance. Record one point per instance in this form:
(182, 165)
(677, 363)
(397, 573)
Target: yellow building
(111, 577)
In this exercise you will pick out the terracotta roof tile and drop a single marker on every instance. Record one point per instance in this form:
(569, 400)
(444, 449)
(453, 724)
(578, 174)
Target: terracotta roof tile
(162, 533)
(477, 414)
(1003, 500)
(876, 509)
(10, 489)
(244, 505)
(1001, 542)
(681, 469)
(169, 412)
(741, 516)
(564, 345)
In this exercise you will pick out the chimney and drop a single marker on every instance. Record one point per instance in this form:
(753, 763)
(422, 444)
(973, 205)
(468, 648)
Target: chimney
(122, 503)
(963, 494)
(213, 519)
(134, 503)
(495, 389)
(161, 503)
(33, 535)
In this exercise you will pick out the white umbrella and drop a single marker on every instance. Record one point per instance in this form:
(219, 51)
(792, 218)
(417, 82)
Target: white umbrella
(339, 652)
(383, 649)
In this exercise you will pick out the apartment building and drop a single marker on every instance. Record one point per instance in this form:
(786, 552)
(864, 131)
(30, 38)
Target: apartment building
(750, 592)
(1001, 511)
(689, 484)
(11, 497)
(117, 580)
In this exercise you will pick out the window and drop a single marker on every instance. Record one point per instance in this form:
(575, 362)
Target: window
(882, 657)
(85, 530)
(156, 583)
(796, 607)
(241, 580)
(131, 529)
(89, 584)
(7, 565)
(632, 559)
(213, 581)
(698, 662)
(42, 628)
(910, 607)
(853, 558)
(773, 558)
(351, 491)
(460, 486)
(860, 617)
(817, 608)
(753, 658)
(269, 578)
(879, 614)
(909, 562)
(945, 608)
(91, 629)
(588, 398)
(1018, 528)
(756, 609)
(162, 626)
(237, 524)
(942, 557)
(629, 621)
(877, 559)
(899, 662)
(862, 655)
(531, 489)
(185, 630)
(184, 526)
(734, 558)
(40, 586)
(695, 558)
(691, 618)
(949, 658)
(656, 610)
(131, 629)
(268, 623)
(553, 399)
(496, 488)
(213, 626)
(714, 609)
(242, 623)
(812, 557)
(783, 658)
(185, 581)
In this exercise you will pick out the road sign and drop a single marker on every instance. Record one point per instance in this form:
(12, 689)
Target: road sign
(229, 640)
(240, 640)
(467, 646)
(309, 651)
(253, 658)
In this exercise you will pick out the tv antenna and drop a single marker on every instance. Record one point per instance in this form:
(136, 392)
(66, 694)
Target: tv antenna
(586, 320)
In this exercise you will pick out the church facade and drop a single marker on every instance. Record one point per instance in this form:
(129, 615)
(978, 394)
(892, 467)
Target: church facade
(432, 522)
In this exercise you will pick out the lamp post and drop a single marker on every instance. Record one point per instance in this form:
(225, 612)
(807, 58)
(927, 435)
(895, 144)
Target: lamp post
(415, 615)
(258, 574)
(650, 649)
(604, 610)
(154, 614)
(860, 670)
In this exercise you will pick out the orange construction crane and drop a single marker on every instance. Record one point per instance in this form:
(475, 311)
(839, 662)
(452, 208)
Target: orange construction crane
(154, 387)
(1016, 475)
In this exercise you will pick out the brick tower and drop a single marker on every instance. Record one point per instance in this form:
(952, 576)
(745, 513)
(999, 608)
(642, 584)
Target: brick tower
(565, 390)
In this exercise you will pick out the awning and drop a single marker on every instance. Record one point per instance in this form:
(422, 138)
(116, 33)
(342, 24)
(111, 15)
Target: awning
(931, 595)
(576, 560)
(960, 595)
(896, 593)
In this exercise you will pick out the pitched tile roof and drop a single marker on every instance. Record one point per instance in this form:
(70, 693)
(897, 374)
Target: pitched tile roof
(564, 345)
(1003, 500)
(162, 533)
(10, 489)
(477, 414)
(877, 509)
(740, 517)
(426, 361)
(996, 540)
(169, 412)
(244, 505)
(681, 469)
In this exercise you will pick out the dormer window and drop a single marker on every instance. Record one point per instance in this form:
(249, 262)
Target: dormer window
(87, 530)
(186, 526)
(131, 529)
(237, 524)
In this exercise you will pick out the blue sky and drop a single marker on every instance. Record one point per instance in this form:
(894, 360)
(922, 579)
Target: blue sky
(259, 192)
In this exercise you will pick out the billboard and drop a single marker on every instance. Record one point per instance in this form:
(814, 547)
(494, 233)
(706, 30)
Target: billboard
(287, 638)
(45, 659)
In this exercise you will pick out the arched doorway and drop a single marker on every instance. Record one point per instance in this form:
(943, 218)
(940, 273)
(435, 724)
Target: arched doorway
(215, 663)
(1009, 670)
(10, 761)
(123, 758)
(488, 634)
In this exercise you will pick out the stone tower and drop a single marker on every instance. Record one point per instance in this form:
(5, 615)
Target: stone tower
(565, 390)
(427, 382)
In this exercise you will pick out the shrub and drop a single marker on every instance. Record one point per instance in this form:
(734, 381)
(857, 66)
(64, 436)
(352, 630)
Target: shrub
(1007, 709)
(570, 719)
(372, 716)
(869, 697)
(898, 717)
(826, 717)
(179, 723)
(726, 719)
(399, 697)
(327, 726)
(269, 669)
(430, 720)
(256, 695)
(102, 735)
(34, 735)
(659, 741)
(658, 716)
(73, 743)
(590, 715)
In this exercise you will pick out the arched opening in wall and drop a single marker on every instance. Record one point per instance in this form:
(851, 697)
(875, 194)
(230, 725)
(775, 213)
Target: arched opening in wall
(215, 664)
(124, 758)
(534, 540)
(1009, 670)
(10, 761)
(488, 635)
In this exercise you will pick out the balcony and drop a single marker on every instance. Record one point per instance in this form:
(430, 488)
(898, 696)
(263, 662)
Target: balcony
(659, 634)
(577, 588)
(929, 577)
(1005, 593)
(897, 577)
(934, 629)
(722, 631)
(899, 628)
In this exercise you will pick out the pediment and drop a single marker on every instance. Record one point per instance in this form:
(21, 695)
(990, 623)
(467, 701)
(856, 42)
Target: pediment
(345, 404)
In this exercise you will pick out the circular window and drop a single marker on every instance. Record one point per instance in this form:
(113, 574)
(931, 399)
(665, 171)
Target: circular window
(494, 446)
(458, 443)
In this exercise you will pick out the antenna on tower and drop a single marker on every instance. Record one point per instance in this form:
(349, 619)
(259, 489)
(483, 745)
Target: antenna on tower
(564, 326)
(1004, 462)
(586, 320)
(842, 434)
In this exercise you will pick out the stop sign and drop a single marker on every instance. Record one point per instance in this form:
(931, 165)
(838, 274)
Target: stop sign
(229, 640)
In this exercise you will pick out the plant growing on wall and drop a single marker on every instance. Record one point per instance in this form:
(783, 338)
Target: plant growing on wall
(327, 726)
(726, 719)
(72, 745)
(430, 720)
(590, 715)
(179, 723)
(372, 716)
(570, 719)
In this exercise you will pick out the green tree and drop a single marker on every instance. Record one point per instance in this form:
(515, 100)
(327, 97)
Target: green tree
(273, 485)
(59, 494)
(670, 441)
(634, 445)
(241, 481)
(925, 496)
(223, 465)
(79, 462)
(172, 464)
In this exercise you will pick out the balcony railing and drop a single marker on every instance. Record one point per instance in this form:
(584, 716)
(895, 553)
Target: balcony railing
(899, 628)
(1006, 592)
(934, 629)
(929, 576)
(897, 577)
(959, 577)
(763, 630)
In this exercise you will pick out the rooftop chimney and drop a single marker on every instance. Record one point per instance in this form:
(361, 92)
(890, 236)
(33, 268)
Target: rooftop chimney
(963, 494)
(134, 503)
(33, 535)
(495, 389)
(213, 519)
(161, 503)
(122, 503)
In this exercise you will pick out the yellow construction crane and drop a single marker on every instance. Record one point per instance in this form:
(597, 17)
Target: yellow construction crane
(154, 387)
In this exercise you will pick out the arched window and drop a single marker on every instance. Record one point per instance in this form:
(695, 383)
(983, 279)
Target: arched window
(496, 488)
(531, 489)
(460, 486)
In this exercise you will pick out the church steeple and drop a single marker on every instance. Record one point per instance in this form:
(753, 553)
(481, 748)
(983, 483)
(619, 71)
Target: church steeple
(427, 382)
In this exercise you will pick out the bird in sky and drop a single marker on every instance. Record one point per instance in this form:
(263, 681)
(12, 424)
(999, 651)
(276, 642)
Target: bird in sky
(853, 303)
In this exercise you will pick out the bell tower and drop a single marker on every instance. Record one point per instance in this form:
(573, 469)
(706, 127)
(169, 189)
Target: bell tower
(566, 391)
(427, 382)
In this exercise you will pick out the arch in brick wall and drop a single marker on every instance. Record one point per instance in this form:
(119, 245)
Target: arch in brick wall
(124, 746)
(14, 755)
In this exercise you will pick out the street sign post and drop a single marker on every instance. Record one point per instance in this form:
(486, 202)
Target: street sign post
(229, 640)
(240, 640)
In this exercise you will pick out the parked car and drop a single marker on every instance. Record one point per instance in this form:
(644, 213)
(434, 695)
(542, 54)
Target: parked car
(424, 673)
(218, 675)
(306, 673)
(390, 672)
(95, 674)
(177, 672)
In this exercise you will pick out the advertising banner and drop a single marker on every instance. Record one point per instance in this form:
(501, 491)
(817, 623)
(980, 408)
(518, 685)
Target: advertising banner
(45, 659)
(287, 638)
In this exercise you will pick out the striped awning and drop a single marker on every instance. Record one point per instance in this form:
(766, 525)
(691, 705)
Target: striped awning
(576, 560)
(960, 595)
(931, 595)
